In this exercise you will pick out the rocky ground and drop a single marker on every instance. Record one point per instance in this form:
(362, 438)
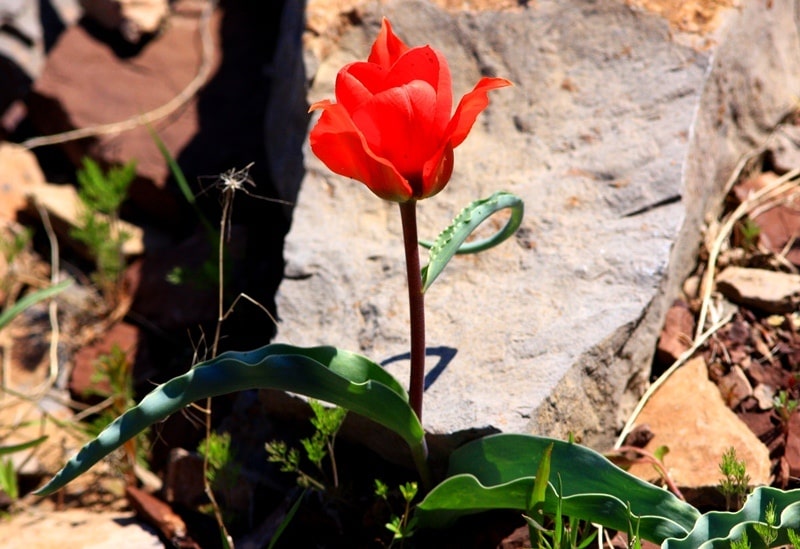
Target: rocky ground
(729, 382)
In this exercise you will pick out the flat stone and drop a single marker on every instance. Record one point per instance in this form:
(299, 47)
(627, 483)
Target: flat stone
(769, 291)
(76, 528)
(65, 210)
(692, 429)
(618, 137)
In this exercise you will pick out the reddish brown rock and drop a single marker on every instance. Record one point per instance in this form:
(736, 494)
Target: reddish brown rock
(86, 83)
(676, 336)
(779, 226)
(767, 374)
(792, 454)
(688, 416)
(84, 378)
(734, 387)
(183, 484)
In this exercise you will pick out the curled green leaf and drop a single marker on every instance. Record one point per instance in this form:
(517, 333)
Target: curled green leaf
(452, 240)
(499, 472)
(719, 529)
(325, 373)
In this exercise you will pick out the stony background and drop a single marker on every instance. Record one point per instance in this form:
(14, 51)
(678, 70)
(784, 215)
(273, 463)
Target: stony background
(618, 134)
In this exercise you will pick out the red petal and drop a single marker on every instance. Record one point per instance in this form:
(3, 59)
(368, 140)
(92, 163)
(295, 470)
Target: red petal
(398, 125)
(357, 83)
(470, 106)
(437, 171)
(342, 147)
(426, 64)
(387, 47)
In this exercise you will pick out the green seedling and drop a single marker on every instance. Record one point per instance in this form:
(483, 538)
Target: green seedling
(102, 195)
(768, 530)
(222, 473)
(741, 543)
(115, 371)
(794, 538)
(735, 481)
(8, 473)
(784, 407)
(326, 422)
(401, 526)
(749, 231)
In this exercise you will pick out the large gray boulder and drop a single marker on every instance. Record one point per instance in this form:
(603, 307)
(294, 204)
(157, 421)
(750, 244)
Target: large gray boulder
(619, 137)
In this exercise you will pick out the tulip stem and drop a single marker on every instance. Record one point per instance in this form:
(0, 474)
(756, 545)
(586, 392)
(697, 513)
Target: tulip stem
(416, 302)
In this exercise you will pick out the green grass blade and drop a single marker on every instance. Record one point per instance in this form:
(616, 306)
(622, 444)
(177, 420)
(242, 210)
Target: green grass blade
(324, 373)
(180, 179)
(498, 472)
(542, 479)
(718, 529)
(22, 446)
(31, 299)
(287, 520)
(451, 241)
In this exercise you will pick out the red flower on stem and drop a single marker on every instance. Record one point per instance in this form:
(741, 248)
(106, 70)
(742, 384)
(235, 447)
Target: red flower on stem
(391, 126)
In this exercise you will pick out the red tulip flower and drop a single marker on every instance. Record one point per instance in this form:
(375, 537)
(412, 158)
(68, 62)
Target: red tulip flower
(391, 126)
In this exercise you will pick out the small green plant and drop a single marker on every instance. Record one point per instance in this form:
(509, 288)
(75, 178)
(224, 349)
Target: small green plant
(768, 530)
(749, 231)
(8, 474)
(401, 526)
(8, 479)
(794, 538)
(222, 472)
(784, 406)
(741, 543)
(326, 422)
(114, 371)
(734, 484)
(101, 195)
(14, 242)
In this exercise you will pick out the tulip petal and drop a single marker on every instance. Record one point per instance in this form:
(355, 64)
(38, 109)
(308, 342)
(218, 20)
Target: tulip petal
(426, 64)
(357, 83)
(470, 106)
(342, 147)
(398, 126)
(436, 172)
(387, 47)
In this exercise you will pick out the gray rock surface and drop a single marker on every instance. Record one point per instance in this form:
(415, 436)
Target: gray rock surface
(618, 135)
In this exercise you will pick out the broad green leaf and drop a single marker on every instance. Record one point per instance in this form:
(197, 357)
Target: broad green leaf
(31, 299)
(325, 373)
(718, 529)
(451, 241)
(498, 472)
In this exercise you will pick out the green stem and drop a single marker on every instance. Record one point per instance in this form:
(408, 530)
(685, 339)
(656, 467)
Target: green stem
(416, 302)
